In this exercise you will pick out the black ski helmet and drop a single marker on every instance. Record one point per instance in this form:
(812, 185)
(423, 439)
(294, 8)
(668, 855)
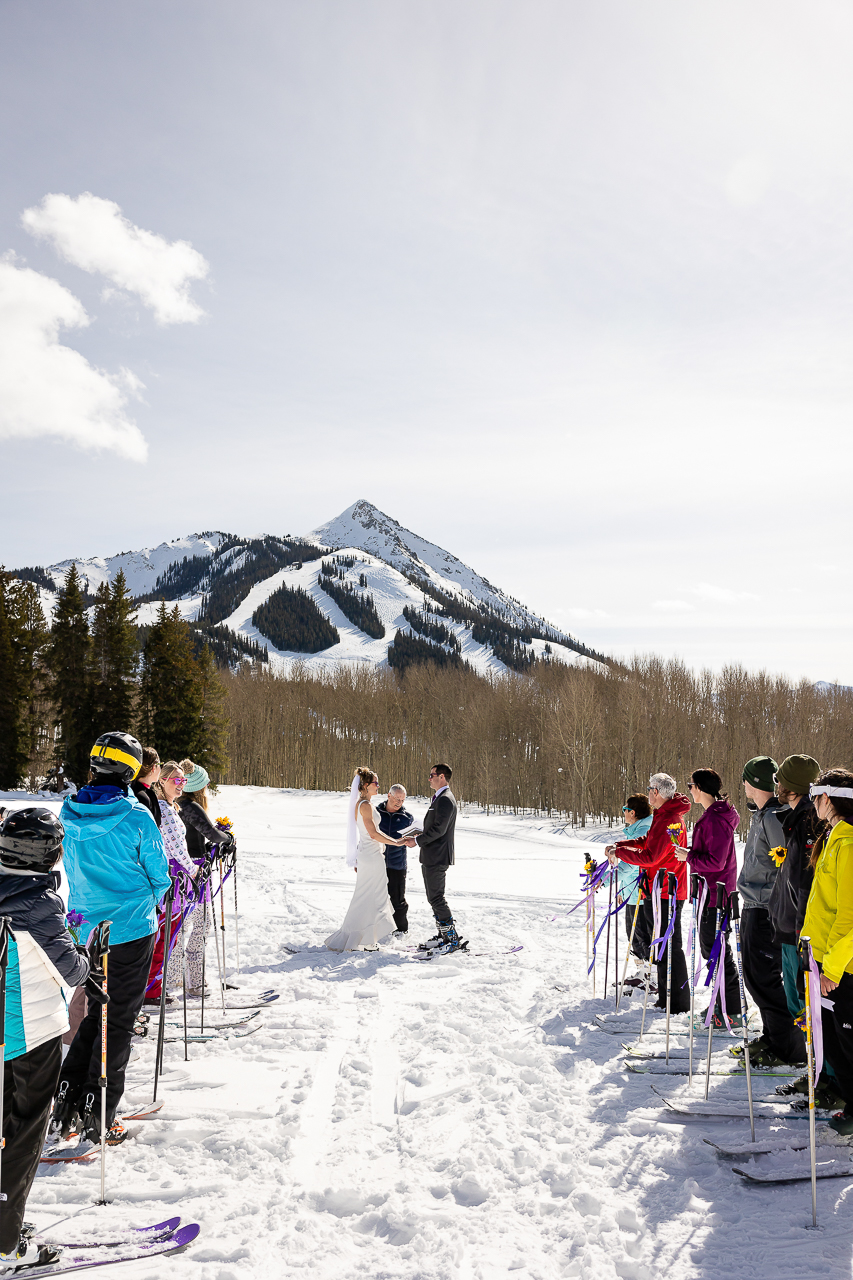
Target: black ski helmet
(31, 840)
(117, 754)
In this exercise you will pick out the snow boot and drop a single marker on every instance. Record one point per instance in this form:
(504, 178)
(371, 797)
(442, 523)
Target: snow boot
(29, 1256)
(65, 1118)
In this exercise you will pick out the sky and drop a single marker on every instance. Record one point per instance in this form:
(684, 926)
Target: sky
(563, 287)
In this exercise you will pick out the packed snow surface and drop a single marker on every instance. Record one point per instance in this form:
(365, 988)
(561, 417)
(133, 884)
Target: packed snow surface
(456, 1118)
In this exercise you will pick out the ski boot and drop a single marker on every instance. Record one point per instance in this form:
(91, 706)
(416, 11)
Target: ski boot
(29, 1255)
(116, 1132)
(450, 940)
(65, 1118)
(842, 1122)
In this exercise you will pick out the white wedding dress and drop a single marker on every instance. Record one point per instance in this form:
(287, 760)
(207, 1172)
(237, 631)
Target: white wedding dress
(369, 917)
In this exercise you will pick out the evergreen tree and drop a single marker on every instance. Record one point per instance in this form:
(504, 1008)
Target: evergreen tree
(30, 636)
(170, 692)
(11, 764)
(211, 744)
(114, 657)
(70, 677)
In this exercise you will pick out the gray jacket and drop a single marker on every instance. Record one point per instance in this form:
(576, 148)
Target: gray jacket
(759, 871)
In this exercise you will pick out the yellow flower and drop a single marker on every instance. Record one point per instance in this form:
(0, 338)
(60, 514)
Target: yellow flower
(778, 854)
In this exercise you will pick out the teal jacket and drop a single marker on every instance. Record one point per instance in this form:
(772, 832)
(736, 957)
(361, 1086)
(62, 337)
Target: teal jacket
(115, 862)
(626, 875)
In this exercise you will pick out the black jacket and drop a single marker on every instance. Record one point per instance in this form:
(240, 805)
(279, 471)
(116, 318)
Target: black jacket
(147, 799)
(794, 881)
(436, 843)
(391, 824)
(35, 907)
(200, 830)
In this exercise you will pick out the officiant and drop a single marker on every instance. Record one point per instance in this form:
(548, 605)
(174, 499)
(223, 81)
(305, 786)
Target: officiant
(393, 819)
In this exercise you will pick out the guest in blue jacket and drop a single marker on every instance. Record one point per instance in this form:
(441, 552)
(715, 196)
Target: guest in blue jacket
(638, 819)
(394, 818)
(117, 870)
(41, 959)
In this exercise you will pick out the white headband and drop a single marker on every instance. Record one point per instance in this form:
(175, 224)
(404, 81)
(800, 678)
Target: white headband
(845, 792)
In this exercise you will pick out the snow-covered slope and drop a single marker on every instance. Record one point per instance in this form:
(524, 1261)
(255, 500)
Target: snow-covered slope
(141, 568)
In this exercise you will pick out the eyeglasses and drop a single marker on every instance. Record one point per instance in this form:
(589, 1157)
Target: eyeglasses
(177, 780)
(433, 774)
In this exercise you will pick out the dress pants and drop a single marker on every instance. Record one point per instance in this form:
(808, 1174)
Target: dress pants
(434, 880)
(29, 1083)
(762, 976)
(397, 894)
(680, 995)
(127, 977)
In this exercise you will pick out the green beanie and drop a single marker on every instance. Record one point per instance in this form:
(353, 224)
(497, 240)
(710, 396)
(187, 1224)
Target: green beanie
(197, 780)
(797, 773)
(758, 772)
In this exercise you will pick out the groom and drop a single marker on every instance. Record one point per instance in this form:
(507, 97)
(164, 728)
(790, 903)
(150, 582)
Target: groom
(436, 845)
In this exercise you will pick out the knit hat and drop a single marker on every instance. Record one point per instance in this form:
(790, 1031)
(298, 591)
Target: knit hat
(199, 778)
(758, 772)
(797, 773)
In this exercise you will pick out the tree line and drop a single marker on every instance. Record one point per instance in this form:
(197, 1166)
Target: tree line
(568, 741)
(62, 685)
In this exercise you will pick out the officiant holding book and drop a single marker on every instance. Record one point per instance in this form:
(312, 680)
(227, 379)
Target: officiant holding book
(394, 820)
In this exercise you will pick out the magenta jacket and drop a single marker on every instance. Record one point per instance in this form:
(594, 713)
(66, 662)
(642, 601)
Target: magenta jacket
(712, 853)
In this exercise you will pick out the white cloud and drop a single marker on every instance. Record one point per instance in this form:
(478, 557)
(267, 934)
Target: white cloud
(93, 234)
(672, 606)
(721, 595)
(47, 389)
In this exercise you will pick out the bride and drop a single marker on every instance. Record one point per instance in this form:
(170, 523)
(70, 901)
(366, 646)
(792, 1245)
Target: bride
(369, 917)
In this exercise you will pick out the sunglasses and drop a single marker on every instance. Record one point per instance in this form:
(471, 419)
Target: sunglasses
(177, 780)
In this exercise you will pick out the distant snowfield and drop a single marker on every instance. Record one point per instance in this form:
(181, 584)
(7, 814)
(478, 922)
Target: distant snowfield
(432, 1120)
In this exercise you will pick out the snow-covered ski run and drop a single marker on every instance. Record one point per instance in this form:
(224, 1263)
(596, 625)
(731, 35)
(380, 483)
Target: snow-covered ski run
(415, 1121)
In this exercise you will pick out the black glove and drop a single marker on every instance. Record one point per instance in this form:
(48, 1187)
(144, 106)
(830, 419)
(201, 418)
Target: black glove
(94, 990)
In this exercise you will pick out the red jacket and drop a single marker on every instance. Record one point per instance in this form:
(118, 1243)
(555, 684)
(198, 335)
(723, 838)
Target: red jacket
(654, 851)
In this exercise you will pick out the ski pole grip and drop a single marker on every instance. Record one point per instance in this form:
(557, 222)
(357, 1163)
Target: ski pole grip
(694, 885)
(672, 883)
(721, 895)
(804, 951)
(734, 908)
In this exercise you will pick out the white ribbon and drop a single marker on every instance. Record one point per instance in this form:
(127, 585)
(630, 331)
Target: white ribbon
(352, 829)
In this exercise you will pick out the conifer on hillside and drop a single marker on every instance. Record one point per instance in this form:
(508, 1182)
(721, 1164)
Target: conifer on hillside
(23, 636)
(211, 745)
(170, 692)
(69, 663)
(114, 657)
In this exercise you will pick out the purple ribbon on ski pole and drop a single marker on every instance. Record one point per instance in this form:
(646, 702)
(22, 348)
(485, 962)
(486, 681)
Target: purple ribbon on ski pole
(697, 953)
(716, 970)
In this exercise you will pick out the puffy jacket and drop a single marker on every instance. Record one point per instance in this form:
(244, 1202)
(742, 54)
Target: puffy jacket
(115, 862)
(758, 873)
(790, 894)
(147, 799)
(391, 824)
(829, 915)
(712, 852)
(626, 876)
(42, 959)
(200, 830)
(654, 851)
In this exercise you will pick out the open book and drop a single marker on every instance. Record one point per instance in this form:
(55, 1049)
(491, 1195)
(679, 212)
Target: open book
(414, 830)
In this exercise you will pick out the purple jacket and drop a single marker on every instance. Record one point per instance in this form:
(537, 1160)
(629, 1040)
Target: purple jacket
(712, 853)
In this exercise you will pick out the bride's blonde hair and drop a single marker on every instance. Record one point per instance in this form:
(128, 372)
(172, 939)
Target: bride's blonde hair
(367, 776)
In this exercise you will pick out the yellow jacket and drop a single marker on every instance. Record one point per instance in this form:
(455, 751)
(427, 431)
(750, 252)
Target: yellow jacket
(829, 915)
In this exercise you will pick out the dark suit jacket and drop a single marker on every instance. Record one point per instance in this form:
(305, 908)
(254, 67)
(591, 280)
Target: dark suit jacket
(436, 842)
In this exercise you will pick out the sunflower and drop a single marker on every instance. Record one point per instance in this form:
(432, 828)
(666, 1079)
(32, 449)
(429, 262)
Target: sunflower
(779, 854)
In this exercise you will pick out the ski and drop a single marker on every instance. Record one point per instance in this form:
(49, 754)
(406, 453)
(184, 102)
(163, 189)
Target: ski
(73, 1154)
(776, 1144)
(203, 1039)
(134, 1235)
(649, 1054)
(263, 998)
(214, 1026)
(799, 1171)
(682, 1069)
(181, 1239)
(730, 1108)
(145, 1111)
(455, 950)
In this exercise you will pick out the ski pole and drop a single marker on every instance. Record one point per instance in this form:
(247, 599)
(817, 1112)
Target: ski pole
(805, 960)
(721, 902)
(4, 960)
(616, 951)
(652, 960)
(222, 924)
(203, 952)
(593, 945)
(102, 946)
(184, 918)
(694, 893)
(236, 922)
(216, 944)
(735, 918)
(607, 944)
(631, 940)
(161, 1029)
(672, 889)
